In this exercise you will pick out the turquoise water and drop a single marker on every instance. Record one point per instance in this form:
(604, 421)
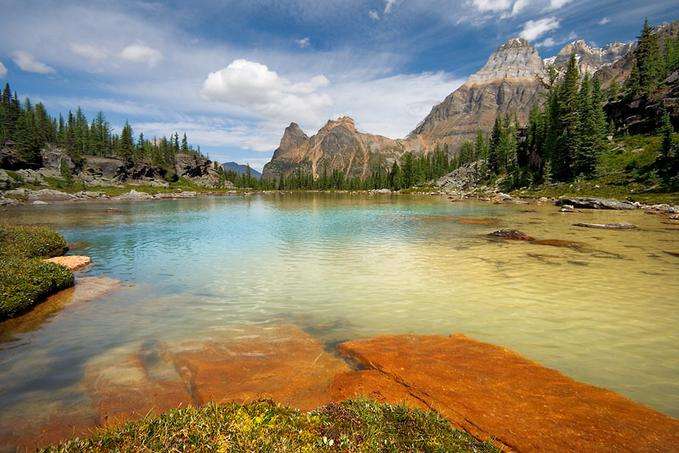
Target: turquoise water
(343, 267)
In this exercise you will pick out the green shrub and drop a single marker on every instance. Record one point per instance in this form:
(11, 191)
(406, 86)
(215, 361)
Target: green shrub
(358, 425)
(25, 282)
(25, 279)
(31, 242)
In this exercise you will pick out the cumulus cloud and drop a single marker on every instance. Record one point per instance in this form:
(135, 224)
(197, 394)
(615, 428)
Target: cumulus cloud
(303, 42)
(3, 70)
(556, 4)
(519, 5)
(604, 21)
(548, 42)
(389, 5)
(264, 93)
(88, 51)
(28, 63)
(533, 29)
(374, 15)
(492, 5)
(139, 53)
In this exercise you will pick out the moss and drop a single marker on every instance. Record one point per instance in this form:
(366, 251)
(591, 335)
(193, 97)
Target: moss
(357, 425)
(31, 242)
(25, 279)
(25, 282)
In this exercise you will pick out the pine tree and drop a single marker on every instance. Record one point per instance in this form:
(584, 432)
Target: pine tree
(648, 64)
(493, 148)
(125, 148)
(568, 139)
(584, 157)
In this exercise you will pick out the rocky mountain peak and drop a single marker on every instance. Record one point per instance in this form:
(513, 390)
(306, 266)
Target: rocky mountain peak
(345, 121)
(590, 57)
(515, 59)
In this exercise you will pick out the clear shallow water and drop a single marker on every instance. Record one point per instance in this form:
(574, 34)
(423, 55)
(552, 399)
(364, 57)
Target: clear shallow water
(343, 267)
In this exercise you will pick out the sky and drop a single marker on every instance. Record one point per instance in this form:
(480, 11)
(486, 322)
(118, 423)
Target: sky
(233, 74)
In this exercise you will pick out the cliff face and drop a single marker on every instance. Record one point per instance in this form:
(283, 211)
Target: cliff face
(509, 83)
(337, 146)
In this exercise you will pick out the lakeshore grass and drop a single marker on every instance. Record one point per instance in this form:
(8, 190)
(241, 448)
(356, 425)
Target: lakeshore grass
(353, 425)
(25, 280)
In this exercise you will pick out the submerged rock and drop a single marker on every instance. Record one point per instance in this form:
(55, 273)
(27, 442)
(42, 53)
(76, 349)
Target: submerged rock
(514, 235)
(282, 363)
(595, 203)
(607, 226)
(492, 392)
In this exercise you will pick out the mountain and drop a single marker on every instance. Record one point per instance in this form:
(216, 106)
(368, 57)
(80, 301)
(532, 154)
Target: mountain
(240, 169)
(510, 83)
(337, 146)
(590, 58)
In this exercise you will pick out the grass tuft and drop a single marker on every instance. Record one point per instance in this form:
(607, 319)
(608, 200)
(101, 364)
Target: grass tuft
(25, 280)
(354, 425)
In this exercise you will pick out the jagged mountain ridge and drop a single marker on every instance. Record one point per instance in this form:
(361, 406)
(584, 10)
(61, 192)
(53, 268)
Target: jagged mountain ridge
(337, 146)
(510, 83)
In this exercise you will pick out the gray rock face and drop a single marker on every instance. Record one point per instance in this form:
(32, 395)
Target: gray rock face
(590, 58)
(595, 203)
(463, 178)
(6, 181)
(515, 59)
(53, 158)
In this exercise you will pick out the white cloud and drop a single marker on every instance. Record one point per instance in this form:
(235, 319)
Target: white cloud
(604, 21)
(519, 5)
(3, 70)
(88, 51)
(389, 5)
(139, 53)
(548, 42)
(492, 5)
(374, 15)
(303, 42)
(533, 29)
(28, 63)
(264, 93)
(556, 4)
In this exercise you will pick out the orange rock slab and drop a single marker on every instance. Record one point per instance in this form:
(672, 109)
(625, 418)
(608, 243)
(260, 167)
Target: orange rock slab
(71, 262)
(491, 391)
(284, 364)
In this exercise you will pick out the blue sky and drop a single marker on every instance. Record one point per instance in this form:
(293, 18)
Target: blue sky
(234, 73)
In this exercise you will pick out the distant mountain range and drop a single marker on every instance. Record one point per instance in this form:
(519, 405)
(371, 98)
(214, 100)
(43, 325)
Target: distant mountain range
(511, 82)
(240, 169)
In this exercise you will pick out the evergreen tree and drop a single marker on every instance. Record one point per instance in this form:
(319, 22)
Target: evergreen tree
(584, 156)
(568, 138)
(125, 148)
(493, 148)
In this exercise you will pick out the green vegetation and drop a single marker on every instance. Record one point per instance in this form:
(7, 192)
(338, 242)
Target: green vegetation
(24, 278)
(29, 128)
(653, 62)
(358, 425)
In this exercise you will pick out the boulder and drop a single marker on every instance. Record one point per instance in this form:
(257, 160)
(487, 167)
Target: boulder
(514, 235)
(96, 168)
(6, 181)
(133, 195)
(49, 195)
(54, 158)
(30, 176)
(607, 226)
(595, 203)
(7, 201)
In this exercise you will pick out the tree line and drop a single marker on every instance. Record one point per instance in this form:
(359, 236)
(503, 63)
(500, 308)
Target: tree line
(29, 127)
